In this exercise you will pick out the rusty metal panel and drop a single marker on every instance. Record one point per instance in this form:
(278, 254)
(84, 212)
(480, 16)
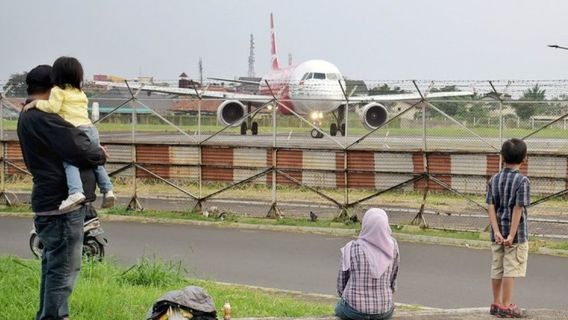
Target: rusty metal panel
(319, 160)
(547, 167)
(161, 170)
(184, 155)
(319, 179)
(13, 151)
(493, 164)
(469, 164)
(469, 184)
(212, 174)
(249, 157)
(153, 154)
(440, 163)
(387, 180)
(184, 173)
(361, 160)
(218, 156)
(242, 174)
(289, 159)
(361, 180)
(120, 153)
(394, 162)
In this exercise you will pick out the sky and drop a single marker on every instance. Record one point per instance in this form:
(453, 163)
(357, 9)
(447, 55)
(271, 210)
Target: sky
(365, 39)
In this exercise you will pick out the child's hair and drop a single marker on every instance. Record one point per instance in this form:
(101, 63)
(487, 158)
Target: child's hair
(67, 71)
(514, 151)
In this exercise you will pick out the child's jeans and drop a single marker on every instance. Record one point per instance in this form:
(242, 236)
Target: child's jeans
(72, 173)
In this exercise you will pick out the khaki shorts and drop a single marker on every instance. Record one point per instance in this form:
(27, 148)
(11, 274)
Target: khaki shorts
(509, 262)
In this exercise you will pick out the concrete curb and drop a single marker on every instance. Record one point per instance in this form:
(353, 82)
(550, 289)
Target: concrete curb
(336, 232)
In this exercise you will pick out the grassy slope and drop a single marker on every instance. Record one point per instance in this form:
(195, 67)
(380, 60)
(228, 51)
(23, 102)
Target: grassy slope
(105, 291)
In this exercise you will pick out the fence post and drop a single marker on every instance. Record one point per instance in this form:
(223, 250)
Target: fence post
(3, 192)
(274, 211)
(419, 218)
(134, 203)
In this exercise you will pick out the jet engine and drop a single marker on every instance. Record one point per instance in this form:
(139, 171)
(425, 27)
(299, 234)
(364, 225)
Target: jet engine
(230, 112)
(372, 115)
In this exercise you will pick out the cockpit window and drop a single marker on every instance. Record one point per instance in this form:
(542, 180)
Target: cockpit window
(307, 76)
(332, 76)
(320, 76)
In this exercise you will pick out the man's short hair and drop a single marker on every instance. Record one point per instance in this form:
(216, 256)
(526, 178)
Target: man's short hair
(514, 151)
(39, 79)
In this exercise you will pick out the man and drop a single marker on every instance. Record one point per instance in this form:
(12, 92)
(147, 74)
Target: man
(46, 141)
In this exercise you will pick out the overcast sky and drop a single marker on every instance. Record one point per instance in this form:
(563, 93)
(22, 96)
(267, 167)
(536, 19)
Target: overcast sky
(371, 40)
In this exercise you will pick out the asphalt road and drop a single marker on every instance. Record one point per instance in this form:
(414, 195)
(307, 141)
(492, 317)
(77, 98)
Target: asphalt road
(436, 276)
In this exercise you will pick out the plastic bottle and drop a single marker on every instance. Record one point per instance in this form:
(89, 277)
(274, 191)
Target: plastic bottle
(227, 311)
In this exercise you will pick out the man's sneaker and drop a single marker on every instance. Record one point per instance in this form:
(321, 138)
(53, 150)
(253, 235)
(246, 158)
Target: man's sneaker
(512, 311)
(73, 200)
(494, 309)
(108, 200)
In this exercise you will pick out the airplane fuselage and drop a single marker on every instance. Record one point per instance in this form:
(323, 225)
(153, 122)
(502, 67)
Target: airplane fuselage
(310, 88)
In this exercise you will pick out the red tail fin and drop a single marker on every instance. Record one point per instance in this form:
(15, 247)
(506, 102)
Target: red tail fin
(275, 62)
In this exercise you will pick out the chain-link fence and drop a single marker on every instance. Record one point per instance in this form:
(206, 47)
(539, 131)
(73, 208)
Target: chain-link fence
(280, 153)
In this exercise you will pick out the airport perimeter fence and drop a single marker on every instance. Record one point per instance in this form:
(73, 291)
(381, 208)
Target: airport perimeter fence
(427, 164)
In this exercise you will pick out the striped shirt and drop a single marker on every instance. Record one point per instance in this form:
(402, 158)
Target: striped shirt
(357, 287)
(505, 190)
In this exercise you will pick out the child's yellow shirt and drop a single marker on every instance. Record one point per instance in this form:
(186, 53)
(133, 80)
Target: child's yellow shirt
(70, 103)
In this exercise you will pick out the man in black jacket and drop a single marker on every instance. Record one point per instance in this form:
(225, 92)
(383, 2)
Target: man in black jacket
(46, 141)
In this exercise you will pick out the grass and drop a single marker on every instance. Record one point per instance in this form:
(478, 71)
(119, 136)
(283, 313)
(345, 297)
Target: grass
(107, 291)
(355, 128)
(437, 201)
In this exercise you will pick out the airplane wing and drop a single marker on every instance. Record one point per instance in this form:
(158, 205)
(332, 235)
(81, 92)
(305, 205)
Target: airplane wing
(252, 98)
(409, 97)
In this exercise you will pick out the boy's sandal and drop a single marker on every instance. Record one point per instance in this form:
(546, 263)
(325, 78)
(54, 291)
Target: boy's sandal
(512, 311)
(494, 309)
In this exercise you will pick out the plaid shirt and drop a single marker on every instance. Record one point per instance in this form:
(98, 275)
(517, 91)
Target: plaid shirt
(505, 190)
(363, 293)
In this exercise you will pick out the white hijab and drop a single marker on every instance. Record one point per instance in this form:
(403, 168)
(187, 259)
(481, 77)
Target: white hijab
(376, 240)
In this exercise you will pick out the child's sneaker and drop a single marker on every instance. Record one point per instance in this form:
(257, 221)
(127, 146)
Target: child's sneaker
(494, 309)
(73, 200)
(512, 311)
(108, 200)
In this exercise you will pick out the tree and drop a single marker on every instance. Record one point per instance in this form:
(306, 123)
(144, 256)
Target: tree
(385, 89)
(18, 83)
(450, 108)
(527, 110)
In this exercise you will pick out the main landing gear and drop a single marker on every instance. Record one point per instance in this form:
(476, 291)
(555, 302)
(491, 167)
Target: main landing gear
(249, 124)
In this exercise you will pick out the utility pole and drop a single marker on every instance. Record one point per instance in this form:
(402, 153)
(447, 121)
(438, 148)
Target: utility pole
(251, 72)
(290, 59)
(200, 71)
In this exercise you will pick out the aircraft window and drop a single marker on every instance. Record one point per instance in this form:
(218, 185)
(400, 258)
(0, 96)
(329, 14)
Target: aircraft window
(319, 76)
(306, 76)
(332, 76)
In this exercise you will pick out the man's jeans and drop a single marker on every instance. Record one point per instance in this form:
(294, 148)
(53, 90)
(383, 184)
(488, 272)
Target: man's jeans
(346, 312)
(62, 239)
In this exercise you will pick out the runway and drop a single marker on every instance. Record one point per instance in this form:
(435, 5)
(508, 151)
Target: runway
(302, 140)
(373, 142)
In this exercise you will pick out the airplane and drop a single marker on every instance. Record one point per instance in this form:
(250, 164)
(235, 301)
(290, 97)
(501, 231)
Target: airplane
(312, 88)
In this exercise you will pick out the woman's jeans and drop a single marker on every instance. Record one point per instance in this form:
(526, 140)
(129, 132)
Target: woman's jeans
(62, 239)
(73, 175)
(346, 312)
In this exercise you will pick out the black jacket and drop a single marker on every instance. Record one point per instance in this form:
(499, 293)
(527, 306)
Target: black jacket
(46, 141)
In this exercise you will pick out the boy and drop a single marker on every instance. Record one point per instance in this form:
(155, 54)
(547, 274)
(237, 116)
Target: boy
(508, 195)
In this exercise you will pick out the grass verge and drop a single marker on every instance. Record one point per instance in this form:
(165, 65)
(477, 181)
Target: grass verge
(106, 291)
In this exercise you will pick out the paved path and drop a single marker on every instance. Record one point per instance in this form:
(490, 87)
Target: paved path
(436, 276)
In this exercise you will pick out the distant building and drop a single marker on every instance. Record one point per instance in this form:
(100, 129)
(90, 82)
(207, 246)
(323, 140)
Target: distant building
(185, 82)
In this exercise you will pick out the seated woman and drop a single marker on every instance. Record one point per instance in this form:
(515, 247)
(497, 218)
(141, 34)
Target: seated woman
(368, 271)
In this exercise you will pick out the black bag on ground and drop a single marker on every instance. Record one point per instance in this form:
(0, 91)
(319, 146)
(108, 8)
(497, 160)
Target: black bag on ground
(189, 303)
